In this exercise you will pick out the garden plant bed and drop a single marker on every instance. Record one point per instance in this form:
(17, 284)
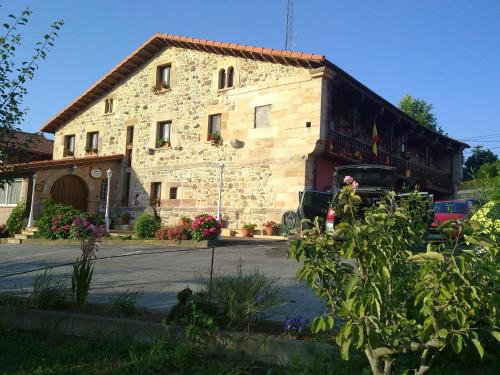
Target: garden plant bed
(264, 348)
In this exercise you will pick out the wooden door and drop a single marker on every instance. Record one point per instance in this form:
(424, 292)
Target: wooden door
(70, 190)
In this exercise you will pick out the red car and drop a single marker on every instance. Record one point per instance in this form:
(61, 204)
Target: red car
(450, 210)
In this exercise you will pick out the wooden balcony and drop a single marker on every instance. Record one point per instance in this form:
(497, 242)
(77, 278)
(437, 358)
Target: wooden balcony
(354, 151)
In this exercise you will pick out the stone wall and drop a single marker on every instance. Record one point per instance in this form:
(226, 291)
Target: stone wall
(261, 179)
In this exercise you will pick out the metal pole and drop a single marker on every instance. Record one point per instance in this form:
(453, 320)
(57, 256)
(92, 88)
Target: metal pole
(219, 200)
(211, 276)
(30, 220)
(106, 216)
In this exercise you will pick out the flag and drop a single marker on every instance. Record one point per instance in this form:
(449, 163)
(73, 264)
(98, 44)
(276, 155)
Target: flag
(375, 139)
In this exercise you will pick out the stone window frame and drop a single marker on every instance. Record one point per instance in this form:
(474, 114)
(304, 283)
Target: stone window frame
(210, 124)
(270, 106)
(213, 110)
(157, 65)
(155, 193)
(154, 131)
(227, 65)
(89, 136)
(66, 151)
(109, 103)
(173, 191)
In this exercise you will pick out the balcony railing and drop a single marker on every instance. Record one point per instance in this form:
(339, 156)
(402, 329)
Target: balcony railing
(351, 148)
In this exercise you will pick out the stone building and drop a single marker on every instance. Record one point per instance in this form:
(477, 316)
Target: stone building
(167, 115)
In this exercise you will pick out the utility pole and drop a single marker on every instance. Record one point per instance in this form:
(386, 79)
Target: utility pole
(289, 25)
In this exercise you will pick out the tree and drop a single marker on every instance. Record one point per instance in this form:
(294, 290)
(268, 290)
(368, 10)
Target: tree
(399, 303)
(474, 162)
(421, 111)
(14, 76)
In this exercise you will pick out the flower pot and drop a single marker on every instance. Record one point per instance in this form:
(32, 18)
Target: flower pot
(270, 231)
(247, 232)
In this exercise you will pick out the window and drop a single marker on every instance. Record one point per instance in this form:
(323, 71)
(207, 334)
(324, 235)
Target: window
(130, 135)
(155, 196)
(214, 124)
(163, 76)
(108, 106)
(173, 193)
(10, 194)
(129, 157)
(263, 116)
(230, 76)
(69, 145)
(104, 190)
(222, 79)
(163, 133)
(126, 193)
(92, 143)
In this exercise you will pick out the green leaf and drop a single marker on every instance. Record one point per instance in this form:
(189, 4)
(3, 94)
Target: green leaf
(496, 335)
(443, 332)
(479, 347)
(456, 342)
(350, 285)
(329, 321)
(344, 351)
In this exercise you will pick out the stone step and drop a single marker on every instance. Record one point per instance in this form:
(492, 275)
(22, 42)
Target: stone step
(21, 236)
(13, 241)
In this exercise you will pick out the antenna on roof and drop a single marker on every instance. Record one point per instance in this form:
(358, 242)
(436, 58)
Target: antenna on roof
(289, 25)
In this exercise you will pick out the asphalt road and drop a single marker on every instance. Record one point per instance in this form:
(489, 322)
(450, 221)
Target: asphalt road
(157, 273)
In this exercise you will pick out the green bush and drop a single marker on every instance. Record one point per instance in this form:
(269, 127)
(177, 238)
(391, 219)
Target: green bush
(14, 223)
(145, 226)
(49, 293)
(52, 212)
(239, 298)
(125, 305)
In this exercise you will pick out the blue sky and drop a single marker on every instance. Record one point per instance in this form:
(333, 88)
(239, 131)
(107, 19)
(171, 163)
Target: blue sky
(446, 52)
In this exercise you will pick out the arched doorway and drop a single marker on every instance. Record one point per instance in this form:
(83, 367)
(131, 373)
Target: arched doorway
(70, 190)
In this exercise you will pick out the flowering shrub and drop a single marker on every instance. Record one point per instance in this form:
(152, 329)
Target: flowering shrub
(84, 227)
(176, 233)
(53, 219)
(205, 227)
(3, 231)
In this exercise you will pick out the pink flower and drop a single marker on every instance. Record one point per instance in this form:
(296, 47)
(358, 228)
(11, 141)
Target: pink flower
(66, 227)
(355, 185)
(206, 232)
(54, 228)
(213, 230)
(348, 180)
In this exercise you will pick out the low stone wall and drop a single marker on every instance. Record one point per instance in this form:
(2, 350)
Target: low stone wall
(265, 349)
(188, 243)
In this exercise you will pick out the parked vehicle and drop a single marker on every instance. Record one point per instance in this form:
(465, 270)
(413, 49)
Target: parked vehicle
(374, 181)
(312, 204)
(456, 209)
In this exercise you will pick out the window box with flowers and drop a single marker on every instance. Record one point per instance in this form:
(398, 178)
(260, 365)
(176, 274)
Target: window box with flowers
(162, 143)
(90, 151)
(270, 228)
(68, 153)
(215, 139)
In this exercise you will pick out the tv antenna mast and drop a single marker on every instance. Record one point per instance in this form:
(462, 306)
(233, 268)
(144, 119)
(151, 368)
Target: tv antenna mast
(289, 25)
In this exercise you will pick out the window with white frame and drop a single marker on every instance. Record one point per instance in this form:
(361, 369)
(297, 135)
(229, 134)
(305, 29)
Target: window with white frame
(10, 194)
(69, 145)
(163, 76)
(163, 133)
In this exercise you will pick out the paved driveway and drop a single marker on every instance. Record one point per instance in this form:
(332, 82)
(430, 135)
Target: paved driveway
(157, 273)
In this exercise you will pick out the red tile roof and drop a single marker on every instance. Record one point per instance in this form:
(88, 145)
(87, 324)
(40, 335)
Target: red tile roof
(159, 41)
(31, 143)
(47, 164)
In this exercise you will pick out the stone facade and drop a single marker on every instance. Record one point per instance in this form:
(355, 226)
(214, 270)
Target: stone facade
(262, 178)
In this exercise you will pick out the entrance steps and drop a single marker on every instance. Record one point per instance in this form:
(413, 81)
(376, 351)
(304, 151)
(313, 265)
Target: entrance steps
(24, 235)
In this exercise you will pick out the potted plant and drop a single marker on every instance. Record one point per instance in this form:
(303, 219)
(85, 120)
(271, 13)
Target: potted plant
(247, 230)
(68, 153)
(270, 228)
(162, 143)
(125, 218)
(215, 139)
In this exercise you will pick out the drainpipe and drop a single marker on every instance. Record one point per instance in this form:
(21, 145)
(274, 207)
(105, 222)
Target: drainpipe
(219, 200)
(106, 215)
(30, 220)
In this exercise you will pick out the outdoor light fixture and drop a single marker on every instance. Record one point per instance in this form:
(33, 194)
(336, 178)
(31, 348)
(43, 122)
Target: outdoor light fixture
(109, 173)
(30, 220)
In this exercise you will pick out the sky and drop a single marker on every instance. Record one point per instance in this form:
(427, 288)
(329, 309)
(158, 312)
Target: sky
(446, 52)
